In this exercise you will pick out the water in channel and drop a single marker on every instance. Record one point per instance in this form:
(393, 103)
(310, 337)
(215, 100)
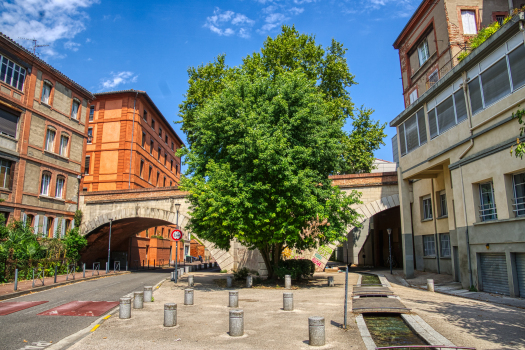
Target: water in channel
(390, 330)
(370, 279)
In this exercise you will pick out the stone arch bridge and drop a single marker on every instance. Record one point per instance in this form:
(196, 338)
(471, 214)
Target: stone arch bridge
(135, 210)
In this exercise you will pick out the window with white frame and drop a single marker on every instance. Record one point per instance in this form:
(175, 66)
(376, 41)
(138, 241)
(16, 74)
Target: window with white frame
(422, 52)
(46, 181)
(64, 141)
(90, 136)
(50, 140)
(444, 245)
(519, 194)
(468, 19)
(429, 245)
(427, 208)
(413, 133)
(74, 109)
(489, 80)
(413, 96)
(443, 204)
(59, 189)
(46, 92)
(5, 173)
(487, 210)
(12, 74)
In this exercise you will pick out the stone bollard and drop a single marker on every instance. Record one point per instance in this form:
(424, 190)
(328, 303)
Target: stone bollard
(190, 281)
(234, 299)
(188, 296)
(148, 294)
(249, 282)
(138, 300)
(288, 301)
(229, 281)
(236, 323)
(331, 281)
(125, 308)
(430, 285)
(186, 269)
(181, 272)
(288, 282)
(316, 331)
(202, 266)
(170, 315)
(172, 276)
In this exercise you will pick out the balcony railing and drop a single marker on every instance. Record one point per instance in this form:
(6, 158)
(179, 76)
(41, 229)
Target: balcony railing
(518, 207)
(488, 212)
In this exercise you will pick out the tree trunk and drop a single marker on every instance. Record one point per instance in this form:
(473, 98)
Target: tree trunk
(265, 252)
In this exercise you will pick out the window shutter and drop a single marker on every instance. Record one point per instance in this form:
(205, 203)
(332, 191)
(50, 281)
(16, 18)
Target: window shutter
(445, 115)
(476, 103)
(24, 218)
(432, 123)
(35, 226)
(44, 226)
(72, 224)
(412, 134)
(495, 82)
(422, 126)
(63, 231)
(55, 227)
(8, 122)
(461, 109)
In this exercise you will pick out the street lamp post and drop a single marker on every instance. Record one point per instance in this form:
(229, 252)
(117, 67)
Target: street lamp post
(389, 230)
(177, 206)
(109, 246)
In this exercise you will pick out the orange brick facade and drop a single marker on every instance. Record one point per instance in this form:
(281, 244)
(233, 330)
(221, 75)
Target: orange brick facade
(361, 180)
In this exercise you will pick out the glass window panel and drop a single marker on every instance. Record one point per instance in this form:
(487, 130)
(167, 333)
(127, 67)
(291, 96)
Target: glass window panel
(87, 161)
(411, 133)
(461, 108)
(74, 112)
(5, 174)
(21, 79)
(495, 82)
(517, 66)
(9, 74)
(422, 126)
(50, 140)
(429, 246)
(445, 245)
(519, 194)
(476, 103)
(402, 139)
(4, 69)
(432, 123)
(487, 207)
(445, 115)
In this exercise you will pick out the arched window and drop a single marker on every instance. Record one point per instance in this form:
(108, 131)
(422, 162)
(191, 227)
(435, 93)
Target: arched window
(46, 181)
(46, 91)
(59, 189)
(75, 108)
(50, 139)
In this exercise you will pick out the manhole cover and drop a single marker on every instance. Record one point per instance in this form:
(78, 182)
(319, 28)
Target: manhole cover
(249, 300)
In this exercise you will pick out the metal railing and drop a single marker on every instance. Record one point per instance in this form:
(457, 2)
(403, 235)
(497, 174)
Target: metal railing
(519, 206)
(488, 212)
(71, 271)
(39, 276)
(116, 266)
(96, 267)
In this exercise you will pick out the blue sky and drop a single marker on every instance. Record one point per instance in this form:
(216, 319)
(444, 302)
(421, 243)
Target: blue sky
(148, 45)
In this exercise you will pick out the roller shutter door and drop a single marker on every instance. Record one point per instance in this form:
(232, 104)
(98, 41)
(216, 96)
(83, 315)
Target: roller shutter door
(494, 273)
(520, 268)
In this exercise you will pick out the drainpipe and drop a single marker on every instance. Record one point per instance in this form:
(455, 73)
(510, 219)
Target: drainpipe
(132, 130)
(511, 6)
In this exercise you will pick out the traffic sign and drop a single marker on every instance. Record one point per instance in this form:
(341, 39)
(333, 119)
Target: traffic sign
(176, 235)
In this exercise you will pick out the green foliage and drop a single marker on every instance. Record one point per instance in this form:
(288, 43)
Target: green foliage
(157, 237)
(481, 37)
(520, 147)
(74, 243)
(297, 268)
(241, 274)
(78, 218)
(224, 271)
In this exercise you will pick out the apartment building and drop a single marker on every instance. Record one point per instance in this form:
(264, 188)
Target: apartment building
(462, 194)
(43, 133)
(433, 38)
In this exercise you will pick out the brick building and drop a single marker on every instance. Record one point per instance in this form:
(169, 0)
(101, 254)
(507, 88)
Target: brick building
(436, 34)
(43, 134)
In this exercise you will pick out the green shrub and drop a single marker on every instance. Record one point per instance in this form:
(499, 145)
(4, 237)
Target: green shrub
(297, 268)
(241, 274)
(224, 271)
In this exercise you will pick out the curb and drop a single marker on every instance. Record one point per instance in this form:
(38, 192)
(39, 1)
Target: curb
(54, 285)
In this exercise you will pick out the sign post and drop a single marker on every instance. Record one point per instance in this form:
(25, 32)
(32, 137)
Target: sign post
(176, 235)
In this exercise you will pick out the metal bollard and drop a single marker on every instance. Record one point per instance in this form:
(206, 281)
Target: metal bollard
(55, 280)
(188, 296)
(331, 281)
(138, 300)
(288, 301)
(172, 276)
(181, 272)
(170, 315)
(16, 279)
(236, 323)
(190, 281)
(83, 270)
(234, 299)
(148, 294)
(287, 282)
(186, 269)
(229, 281)
(249, 282)
(125, 308)
(430, 285)
(316, 331)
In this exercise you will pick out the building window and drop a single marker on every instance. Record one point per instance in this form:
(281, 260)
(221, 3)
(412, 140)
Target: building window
(519, 194)
(429, 245)
(46, 180)
(166, 139)
(90, 136)
(171, 165)
(487, 210)
(151, 147)
(86, 165)
(50, 140)
(445, 245)
(4, 215)
(48, 232)
(64, 141)
(158, 175)
(74, 110)
(171, 183)
(149, 174)
(158, 154)
(176, 169)
(12, 74)
(500, 19)
(5, 173)
(141, 168)
(152, 124)
(143, 139)
(46, 91)
(433, 78)
(413, 96)
(59, 190)
(8, 123)
(91, 113)
(446, 114)
(164, 183)
(160, 132)
(422, 52)
(427, 208)
(413, 133)
(145, 115)
(443, 204)
(165, 158)
(468, 18)
(172, 146)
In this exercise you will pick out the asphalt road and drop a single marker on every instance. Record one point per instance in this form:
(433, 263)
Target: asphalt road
(26, 325)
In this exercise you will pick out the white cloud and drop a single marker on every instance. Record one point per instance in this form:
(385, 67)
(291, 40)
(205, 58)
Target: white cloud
(226, 23)
(70, 45)
(305, 1)
(88, 40)
(44, 20)
(272, 21)
(296, 10)
(117, 79)
(392, 8)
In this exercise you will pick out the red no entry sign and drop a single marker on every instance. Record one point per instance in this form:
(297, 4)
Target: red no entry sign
(176, 235)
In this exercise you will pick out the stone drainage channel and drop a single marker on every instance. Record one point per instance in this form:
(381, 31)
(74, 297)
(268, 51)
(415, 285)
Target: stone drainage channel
(386, 323)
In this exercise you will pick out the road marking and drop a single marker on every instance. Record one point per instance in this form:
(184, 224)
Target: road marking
(108, 316)
(37, 345)
(95, 328)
